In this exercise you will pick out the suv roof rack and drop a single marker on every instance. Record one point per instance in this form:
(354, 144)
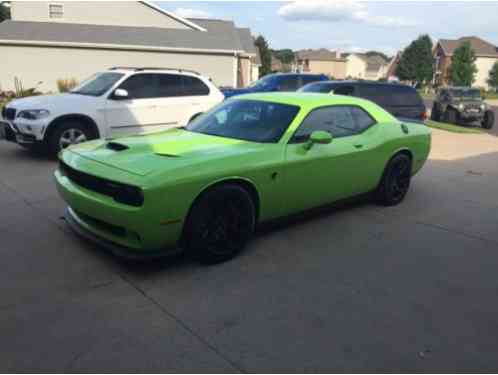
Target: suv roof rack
(138, 69)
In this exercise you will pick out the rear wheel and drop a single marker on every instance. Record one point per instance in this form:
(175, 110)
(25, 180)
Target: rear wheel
(395, 181)
(219, 224)
(488, 120)
(68, 133)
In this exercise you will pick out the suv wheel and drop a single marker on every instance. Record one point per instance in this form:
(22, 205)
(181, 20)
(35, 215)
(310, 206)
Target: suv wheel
(488, 120)
(451, 116)
(219, 224)
(68, 133)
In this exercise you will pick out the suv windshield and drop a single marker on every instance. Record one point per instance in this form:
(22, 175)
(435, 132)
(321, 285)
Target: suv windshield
(262, 82)
(466, 93)
(249, 120)
(97, 84)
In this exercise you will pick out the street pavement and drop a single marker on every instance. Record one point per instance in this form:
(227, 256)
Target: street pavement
(360, 288)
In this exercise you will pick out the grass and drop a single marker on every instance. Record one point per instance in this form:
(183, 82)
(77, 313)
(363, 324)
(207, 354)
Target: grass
(454, 128)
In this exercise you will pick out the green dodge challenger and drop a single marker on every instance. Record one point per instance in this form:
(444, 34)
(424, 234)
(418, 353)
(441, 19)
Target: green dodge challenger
(204, 188)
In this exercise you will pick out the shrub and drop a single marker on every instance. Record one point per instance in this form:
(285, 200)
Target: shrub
(66, 84)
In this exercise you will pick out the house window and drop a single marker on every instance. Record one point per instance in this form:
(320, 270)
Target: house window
(55, 11)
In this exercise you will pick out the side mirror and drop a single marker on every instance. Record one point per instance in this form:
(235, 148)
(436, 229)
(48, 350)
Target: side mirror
(319, 137)
(120, 94)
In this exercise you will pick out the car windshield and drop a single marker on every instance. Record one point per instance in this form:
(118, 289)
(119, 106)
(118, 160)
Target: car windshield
(262, 82)
(248, 120)
(466, 93)
(97, 84)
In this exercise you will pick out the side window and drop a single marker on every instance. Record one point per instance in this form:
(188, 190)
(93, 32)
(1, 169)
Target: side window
(362, 119)
(404, 96)
(344, 90)
(193, 86)
(141, 86)
(307, 79)
(288, 83)
(170, 85)
(337, 120)
(377, 94)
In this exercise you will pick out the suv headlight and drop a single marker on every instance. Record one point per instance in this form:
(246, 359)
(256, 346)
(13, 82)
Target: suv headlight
(483, 107)
(33, 114)
(461, 107)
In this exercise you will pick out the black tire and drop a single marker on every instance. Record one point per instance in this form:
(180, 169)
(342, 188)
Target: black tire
(451, 116)
(80, 129)
(489, 119)
(435, 115)
(220, 223)
(395, 181)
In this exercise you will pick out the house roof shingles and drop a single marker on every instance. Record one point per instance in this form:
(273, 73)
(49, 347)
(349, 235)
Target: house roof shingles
(321, 54)
(220, 35)
(480, 46)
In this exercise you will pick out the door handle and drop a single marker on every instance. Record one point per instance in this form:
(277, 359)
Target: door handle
(358, 146)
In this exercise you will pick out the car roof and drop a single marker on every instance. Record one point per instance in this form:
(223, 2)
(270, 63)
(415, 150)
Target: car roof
(303, 98)
(363, 83)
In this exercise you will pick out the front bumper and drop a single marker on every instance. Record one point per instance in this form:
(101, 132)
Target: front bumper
(138, 230)
(471, 116)
(12, 134)
(76, 224)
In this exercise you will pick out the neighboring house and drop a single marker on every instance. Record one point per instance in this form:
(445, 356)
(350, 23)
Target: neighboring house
(321, 61)
(486, 54)
(276, 65)
(361, 66)
(47, 41)
(255, 66)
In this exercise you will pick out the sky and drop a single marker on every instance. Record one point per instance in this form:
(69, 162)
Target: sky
(350, 25)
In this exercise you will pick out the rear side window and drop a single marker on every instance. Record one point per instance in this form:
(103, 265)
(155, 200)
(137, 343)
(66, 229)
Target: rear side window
(377, 94)
(405, 96)
(344, 90)
(308, 79)
(193, 86)
(340, 121)
(385, 95)
(170, 85)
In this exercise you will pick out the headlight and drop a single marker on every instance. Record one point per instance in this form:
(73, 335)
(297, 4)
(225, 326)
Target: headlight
(461, 106)
(483, 107)
(33, 114)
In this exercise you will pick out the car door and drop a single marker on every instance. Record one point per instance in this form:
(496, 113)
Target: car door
(329, 172)
(137, 113)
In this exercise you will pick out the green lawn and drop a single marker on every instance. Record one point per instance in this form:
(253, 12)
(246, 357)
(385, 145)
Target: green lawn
(454, 128)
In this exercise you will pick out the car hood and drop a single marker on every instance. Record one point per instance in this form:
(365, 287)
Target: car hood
(49, 101)
(143, 155)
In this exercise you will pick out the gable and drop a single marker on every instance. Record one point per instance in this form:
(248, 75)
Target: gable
(111, 13)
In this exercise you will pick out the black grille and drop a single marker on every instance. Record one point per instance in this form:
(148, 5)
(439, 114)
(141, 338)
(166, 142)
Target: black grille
(122, 193)
(473, 106)
(9, 113)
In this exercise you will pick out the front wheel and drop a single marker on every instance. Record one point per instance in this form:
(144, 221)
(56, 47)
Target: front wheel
(488, 120)
(67, 134)
(451, 116)
(435, 115)
(395, 181)
(219, 224)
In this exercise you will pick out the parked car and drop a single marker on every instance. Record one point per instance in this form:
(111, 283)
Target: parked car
(117, 102)
(276, 82)
(402, 101)
(457, 105)
(257, 157)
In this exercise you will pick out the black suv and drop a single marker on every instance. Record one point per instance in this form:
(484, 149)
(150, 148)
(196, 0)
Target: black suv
(401, 101)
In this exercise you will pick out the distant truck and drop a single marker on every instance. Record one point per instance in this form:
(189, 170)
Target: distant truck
(276, 82)
(456, 105)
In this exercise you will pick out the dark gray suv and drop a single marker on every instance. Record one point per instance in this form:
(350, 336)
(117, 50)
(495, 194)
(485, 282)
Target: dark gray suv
(456, 105)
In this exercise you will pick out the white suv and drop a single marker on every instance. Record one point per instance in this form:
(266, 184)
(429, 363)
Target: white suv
(117, 102)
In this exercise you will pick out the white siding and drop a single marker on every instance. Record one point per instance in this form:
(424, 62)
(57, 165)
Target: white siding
(47, 64)
(355, 67)
(114, 13)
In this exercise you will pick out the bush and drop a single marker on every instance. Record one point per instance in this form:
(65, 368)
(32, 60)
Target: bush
(66, 84)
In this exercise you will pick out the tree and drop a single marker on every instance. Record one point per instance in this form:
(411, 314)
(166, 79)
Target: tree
(416, 63)
(284, 55)
(463, 68)
(4, 11)
(493, 76)
(265, 53)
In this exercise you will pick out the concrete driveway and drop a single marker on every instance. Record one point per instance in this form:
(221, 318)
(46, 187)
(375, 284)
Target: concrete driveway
(363, 288)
